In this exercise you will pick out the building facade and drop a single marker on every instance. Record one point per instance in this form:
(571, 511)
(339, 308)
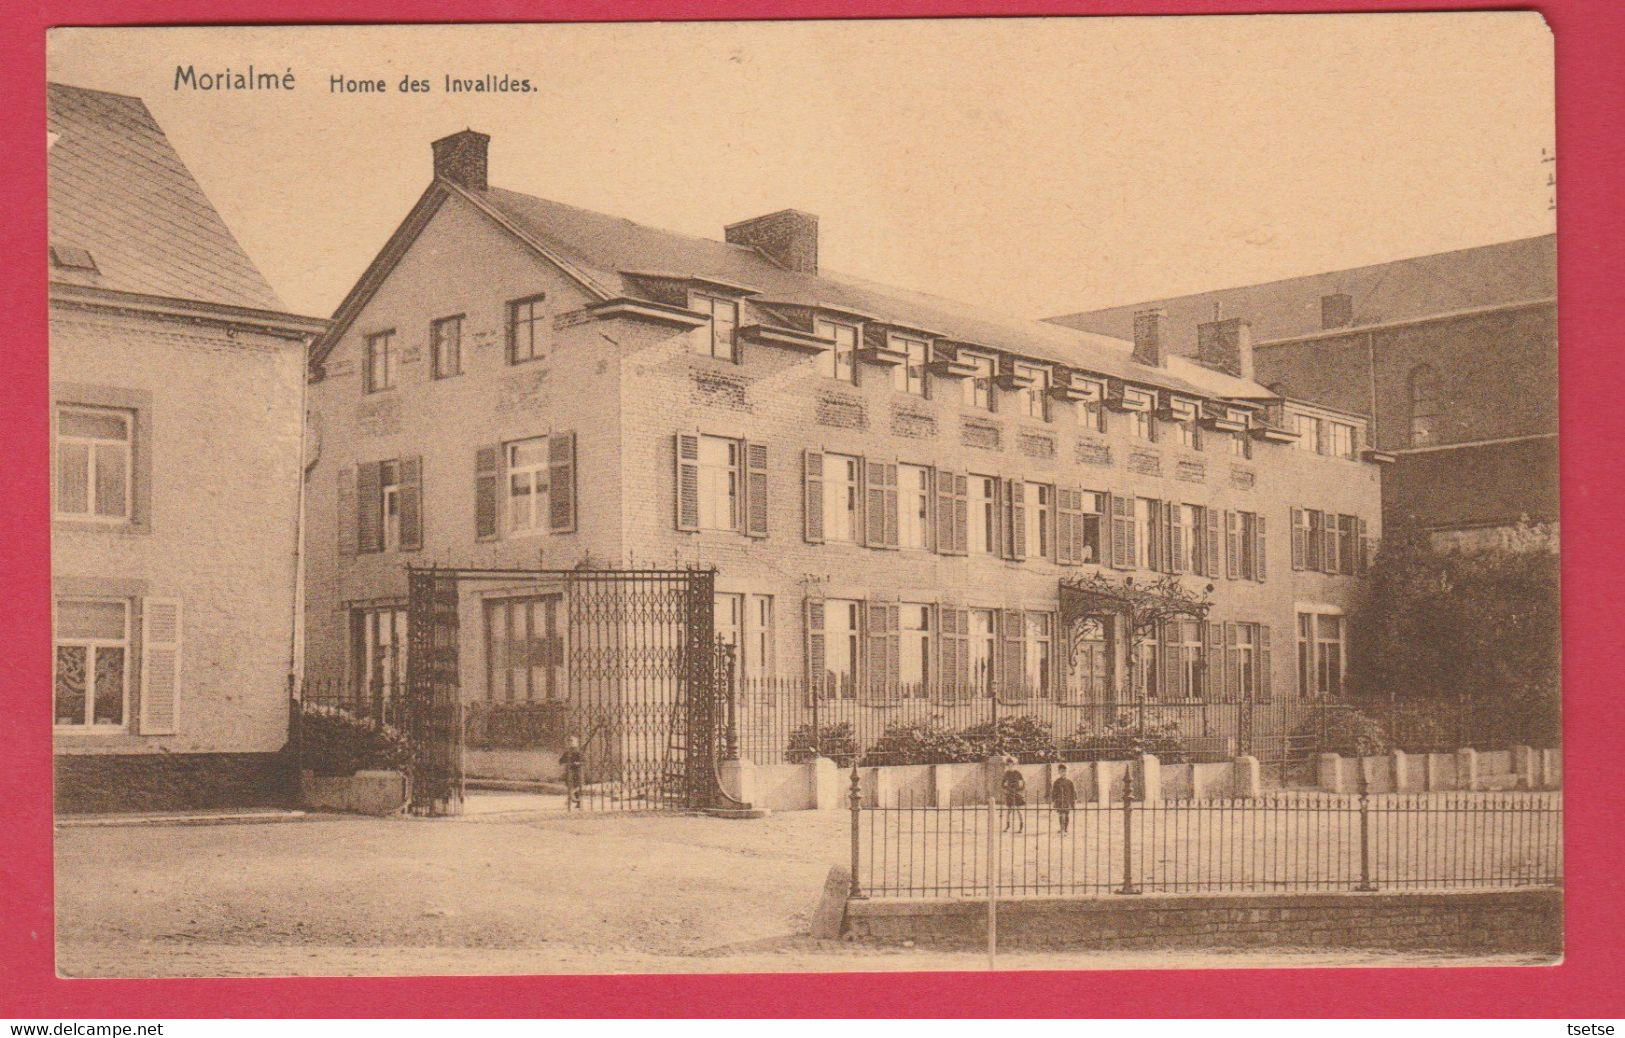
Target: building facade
(176, 402)
(1454, 358)
(892, 487)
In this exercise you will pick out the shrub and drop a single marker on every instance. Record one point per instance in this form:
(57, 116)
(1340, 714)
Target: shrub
(1119, 739)
(1028, 739)
(332, 742)
(921, 742)
(835, 741)
(1348, 733)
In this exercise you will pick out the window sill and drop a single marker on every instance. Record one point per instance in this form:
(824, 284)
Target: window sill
(84, 732)
(127, 529)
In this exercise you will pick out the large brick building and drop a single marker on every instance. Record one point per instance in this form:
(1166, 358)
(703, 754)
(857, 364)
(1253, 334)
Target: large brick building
(176, 396)
(891, 486)
(1453, 356)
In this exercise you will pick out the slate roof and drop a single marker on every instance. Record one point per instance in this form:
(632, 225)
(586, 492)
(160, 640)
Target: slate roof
(119, 191)
(605, 248)
(1466, 279)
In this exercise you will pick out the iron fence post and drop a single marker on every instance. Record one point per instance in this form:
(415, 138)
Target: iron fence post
(1366, 885)
(855, 798)
(1129, 790)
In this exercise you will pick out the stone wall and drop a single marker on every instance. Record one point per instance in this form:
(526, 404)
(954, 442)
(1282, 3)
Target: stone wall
(95, 783)
(1529, 921)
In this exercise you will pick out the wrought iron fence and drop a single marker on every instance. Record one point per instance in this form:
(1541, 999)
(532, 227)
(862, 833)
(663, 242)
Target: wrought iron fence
(1280, 843)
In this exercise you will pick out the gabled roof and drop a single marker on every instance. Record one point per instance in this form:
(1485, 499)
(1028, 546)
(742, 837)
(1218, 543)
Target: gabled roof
(612, 257)
(119, 192)
(1442, 283)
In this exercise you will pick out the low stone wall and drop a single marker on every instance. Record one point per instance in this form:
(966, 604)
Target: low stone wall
(1528, 921)
(364, 793)
(1521, 767)
(94, 783)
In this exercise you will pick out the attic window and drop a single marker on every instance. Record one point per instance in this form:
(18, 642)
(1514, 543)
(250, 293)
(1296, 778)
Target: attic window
(72, 257)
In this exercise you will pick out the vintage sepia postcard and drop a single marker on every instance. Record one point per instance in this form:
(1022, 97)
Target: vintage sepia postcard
(1045, 493)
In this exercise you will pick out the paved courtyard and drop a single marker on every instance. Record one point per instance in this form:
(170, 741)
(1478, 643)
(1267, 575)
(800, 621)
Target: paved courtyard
(525, 892)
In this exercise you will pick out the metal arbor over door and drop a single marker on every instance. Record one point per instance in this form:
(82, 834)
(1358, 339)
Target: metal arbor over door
(625, 662)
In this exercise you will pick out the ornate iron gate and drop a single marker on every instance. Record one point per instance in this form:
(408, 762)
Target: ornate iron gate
(621, 665)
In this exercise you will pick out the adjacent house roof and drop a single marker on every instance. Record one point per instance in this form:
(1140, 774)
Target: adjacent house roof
(608, 255)
(1446, 282)
(125, 213)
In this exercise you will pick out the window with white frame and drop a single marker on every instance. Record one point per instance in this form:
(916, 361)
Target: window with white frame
(983, 515)
(841, 360)
(1308, 430)
(1187, 433)
(525, 649)
(1091, 415)
(1244, 662)
(1321, 655)
(719, 483)
(745, 621)
(1424, 399)
(916, 670)
(1145, 521)
(1143, 425)
(909, 377)
(389, 491)
(719, 338)
(1034, 397)
(978, 388)
(382, 361)
(1089, 649)
(913, 506)
(527, 485)
(842, 496)
(1306, 655)
(94, 455)
(378, 653)
(1348, 544)
(1038, 656)
(1040, 503)
(1093, 518)
(983, 644)
(92, 663)
(1240, 445)
(842, 629)
(1340, 439)
(1189, 538)
(1182, 641)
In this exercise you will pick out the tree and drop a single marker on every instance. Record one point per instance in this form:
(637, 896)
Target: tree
(1147, 605)
(1479, 629)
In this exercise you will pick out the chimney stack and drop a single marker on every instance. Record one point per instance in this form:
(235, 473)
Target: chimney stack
(1336, 310)
(460, 159)
(1226, 346)
(1151, 337)
(788, 237)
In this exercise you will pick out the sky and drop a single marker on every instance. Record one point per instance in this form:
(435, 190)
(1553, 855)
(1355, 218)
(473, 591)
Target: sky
(1032, 166)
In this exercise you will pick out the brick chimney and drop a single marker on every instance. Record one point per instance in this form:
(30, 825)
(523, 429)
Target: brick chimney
(1151, 337)
(788, 237)
(460, 159)
(1336, 310)
(1226, 346)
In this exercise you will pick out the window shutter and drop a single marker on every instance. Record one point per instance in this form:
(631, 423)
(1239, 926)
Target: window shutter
(369, 507)
(944, 490)
(1221, 658)
(890, 496)
(756, 489)
(1232, 544)
(510, 333)
(160, 665)
(686, 450)
(410, 502)
(348, 544)
(954, 628)
(1068, 526)
(1211, 515)
(561, 482)
(1365, 550)
(1122, 531)
(961, 514)
(1300, 547)
(1010, 650)
(1172, 662)
(1015, 518)
(1264, 666)
(813, 497)
(880, 504)
(1259, 554)
(816, 676)
(883, 650)
(487, 484)
(1328, 540)
(1173, 541)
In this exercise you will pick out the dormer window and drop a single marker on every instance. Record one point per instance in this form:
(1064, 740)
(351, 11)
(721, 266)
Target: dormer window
(840, 361)
(909, 376)
(1034, 395)
(718, 339)
(978, 389)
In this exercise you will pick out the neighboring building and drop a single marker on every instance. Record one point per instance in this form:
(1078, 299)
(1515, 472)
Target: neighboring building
(1454, 357)
(176, 403)
(892, 486)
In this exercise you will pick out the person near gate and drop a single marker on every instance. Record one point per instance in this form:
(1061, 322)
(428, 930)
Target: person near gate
(1063, 795)
(1015, 795)
(573, 761)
